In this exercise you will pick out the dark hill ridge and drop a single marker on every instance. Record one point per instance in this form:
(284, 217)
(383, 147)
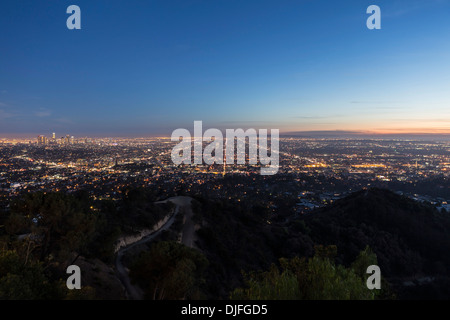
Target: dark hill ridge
(410, 239)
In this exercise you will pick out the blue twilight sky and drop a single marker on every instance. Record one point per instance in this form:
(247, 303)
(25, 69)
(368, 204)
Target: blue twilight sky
(140, 68)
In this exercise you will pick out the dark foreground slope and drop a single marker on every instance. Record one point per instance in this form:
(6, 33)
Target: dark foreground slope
(43, 233)
(411, 239)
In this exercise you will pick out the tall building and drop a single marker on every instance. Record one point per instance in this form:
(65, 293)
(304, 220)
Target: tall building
(53, 140)
(42, 140)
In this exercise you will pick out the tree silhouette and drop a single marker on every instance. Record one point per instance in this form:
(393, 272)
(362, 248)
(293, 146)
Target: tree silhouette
(169, 271)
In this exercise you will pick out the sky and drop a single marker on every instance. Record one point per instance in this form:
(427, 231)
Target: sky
(146, 68)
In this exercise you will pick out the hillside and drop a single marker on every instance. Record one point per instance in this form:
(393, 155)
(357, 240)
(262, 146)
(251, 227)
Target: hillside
(410, 239)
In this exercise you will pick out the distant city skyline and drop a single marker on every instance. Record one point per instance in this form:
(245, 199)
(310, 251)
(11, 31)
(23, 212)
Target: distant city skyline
(141, 69)
(326, 134)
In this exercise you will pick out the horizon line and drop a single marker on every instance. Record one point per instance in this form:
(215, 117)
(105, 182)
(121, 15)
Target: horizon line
(304, 134)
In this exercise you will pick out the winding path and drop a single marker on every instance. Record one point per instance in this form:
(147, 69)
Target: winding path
(134, 292)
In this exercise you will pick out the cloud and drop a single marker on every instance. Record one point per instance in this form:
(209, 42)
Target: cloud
(373, 102)
(242, 121)
(319, 117)
(43, 112)
(64, 121)
(5, 115)
(379, 104)
(412, 130)
(405, 7)
(310, 117)
(445, 120)
(326, 133)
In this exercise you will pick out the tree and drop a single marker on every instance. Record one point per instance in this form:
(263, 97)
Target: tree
(317, 278)
(23, 281)
(62, 223)
(365, 258)
(270, 285)
(169, 271)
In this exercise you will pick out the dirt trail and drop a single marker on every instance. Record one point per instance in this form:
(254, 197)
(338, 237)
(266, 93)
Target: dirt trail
(182, 203)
